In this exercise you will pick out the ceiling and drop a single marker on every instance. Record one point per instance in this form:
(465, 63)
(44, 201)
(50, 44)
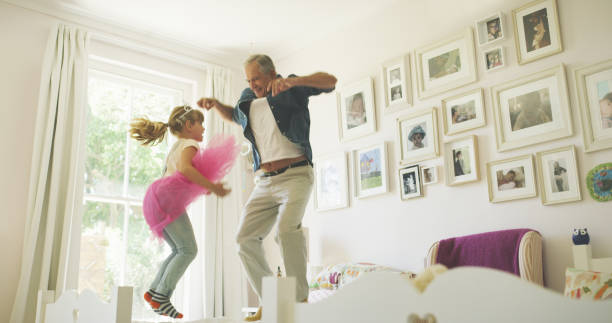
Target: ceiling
(232, 28)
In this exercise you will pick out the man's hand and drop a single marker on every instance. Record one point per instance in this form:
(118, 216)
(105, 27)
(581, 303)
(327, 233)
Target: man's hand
(208, 103)
(280, 84)
(219, 189)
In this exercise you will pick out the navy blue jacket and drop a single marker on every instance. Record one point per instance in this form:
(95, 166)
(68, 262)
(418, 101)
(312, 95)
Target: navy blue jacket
(290, 110)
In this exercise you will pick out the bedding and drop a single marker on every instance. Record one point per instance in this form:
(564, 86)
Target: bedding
(586, 284)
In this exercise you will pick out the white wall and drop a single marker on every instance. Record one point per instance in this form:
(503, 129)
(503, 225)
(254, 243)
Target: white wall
(386, 230)
(23, 35)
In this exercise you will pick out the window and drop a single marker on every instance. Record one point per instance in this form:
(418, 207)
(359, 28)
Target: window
(117, 247)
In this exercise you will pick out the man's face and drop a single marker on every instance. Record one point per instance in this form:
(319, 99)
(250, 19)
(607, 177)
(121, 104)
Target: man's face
(258, 81)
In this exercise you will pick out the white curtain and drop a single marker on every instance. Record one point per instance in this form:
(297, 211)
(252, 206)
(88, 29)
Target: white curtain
(219, 87)
(56, 183)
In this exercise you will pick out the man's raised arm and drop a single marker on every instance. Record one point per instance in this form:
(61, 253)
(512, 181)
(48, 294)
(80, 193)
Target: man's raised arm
(224, 110)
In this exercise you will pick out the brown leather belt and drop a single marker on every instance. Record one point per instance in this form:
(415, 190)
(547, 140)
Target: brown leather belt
(304, 162)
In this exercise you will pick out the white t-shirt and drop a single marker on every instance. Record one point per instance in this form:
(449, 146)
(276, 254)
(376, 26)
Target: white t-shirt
(271, 143)
(175, 154)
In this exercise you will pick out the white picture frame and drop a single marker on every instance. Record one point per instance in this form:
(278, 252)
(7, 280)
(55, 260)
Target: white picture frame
(409, 128)
(536, 30)
(532, 109)
(558, 175)
(494, 59)
(395, 74)
(370, 172)
(463, 112)
(594, 91)
(490, 29)
(511, 179)
(446, 64)
(410, 182)
(356, 110)
(331, 182)
(461, 161)
(429, 174)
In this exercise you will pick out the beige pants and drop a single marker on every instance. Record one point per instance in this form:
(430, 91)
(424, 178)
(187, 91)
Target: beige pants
(276, 200)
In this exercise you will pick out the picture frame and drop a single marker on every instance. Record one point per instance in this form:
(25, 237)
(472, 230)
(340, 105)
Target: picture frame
(446, 64)
(356, 110)
(532, 109)
(331, 182)
(417, 136)
(511, 179)
(429, 174)
(395, 74)
(370, 171)
(461, 161)
(490, 29)
(536, 30)
(558, 175)
(463, 112)
(594, 91)
(410, 182)
(494, 59)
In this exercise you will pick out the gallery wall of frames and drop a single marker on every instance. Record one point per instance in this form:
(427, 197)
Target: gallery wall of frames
(533, 108)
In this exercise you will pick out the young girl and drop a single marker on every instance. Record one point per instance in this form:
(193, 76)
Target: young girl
(189, 173)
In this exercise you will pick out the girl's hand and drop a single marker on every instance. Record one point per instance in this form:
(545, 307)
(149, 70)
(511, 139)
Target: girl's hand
(219, 189)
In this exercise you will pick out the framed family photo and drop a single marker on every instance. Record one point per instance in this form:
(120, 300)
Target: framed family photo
(463, 112)
(370, 168)
(490, 29)
(356, 111)
(536, 30)
(396, 83)
(410, 182)
(417, 136)
(594, 89)
(429, 174)
(446, 65)
(511, 179)
(461, 161)
(558, 175)
(494, 59)
(532, 109)
(331, 182)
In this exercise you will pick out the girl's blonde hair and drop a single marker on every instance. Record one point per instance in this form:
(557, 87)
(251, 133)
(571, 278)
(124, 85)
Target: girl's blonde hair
(153, 132)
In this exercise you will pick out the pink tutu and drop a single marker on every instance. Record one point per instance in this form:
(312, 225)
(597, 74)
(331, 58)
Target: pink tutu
(167, 198)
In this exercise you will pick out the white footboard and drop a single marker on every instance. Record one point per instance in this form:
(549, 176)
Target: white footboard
(86, 307)
(466, 294)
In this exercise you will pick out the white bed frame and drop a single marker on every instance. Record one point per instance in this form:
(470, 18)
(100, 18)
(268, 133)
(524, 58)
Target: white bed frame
(464, 294)
(72, 307)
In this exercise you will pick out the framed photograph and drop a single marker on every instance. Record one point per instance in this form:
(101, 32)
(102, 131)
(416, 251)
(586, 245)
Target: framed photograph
(558, 175)
(429, 174)
(532, 109)
(410, 182)
(356, 115)
(446, 65)
(417, 136)
(370, 168)
(511, 179)
(397, 85)
(594, 88)
(536, 30)
(494, 59)
(463, 112)
(490, 29)
(331, 182)
(461, 161)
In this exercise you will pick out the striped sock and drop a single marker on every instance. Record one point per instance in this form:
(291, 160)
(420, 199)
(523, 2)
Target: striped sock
(148, 296)
(165, 307)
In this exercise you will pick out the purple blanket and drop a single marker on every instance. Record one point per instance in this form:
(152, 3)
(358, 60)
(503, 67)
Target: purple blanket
(497, 249)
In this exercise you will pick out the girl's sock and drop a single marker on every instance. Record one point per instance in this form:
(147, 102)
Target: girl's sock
(148, 296)
(165, 307)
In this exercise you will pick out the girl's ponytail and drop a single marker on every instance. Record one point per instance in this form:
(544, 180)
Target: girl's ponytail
(148, 132)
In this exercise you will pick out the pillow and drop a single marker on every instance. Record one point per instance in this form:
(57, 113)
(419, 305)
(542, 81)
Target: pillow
(585, 284)
(338, 275)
